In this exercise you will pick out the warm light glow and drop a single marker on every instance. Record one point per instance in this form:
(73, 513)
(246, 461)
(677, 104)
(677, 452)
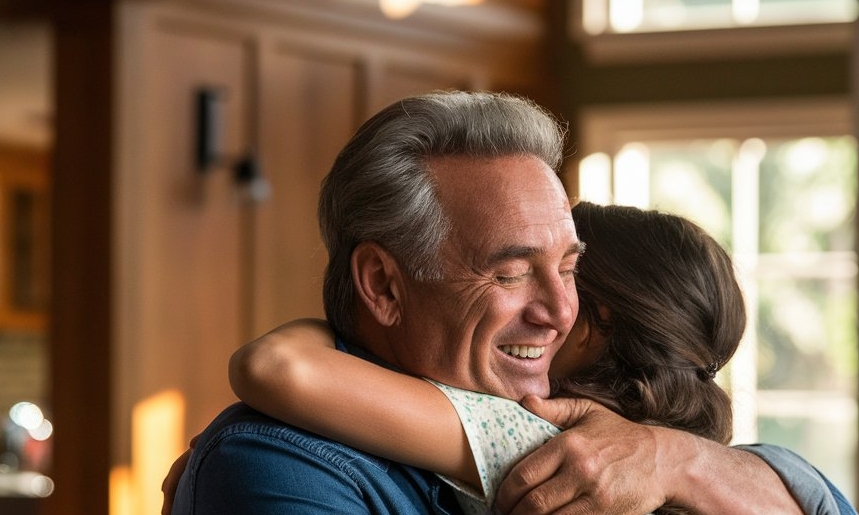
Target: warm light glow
(626, 15)
(594, 16)
(396, 9)
(122, 501)
(595, 178)
(745, 11)
(157, 439)
(632, 176)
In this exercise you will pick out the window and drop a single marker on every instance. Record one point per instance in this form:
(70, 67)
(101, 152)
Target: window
(776, 185)
(625, 16)
(615, 31)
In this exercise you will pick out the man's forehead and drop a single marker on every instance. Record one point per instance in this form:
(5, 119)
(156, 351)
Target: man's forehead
(513, 200)
(500, 184)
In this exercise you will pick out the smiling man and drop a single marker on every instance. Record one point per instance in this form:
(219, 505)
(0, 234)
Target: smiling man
(506, 298)
(445, 222)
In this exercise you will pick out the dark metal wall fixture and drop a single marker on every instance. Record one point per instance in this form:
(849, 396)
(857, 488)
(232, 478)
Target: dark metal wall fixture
(209, 154)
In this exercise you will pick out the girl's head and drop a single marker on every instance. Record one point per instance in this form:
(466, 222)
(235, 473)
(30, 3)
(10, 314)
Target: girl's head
(660, 312)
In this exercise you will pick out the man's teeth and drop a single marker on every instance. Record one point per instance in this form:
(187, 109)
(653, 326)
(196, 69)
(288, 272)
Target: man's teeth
(523, 351)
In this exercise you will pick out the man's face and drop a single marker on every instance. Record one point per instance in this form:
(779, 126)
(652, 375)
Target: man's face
(508, 296)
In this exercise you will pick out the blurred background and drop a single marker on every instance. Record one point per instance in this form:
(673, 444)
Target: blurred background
(160, 161)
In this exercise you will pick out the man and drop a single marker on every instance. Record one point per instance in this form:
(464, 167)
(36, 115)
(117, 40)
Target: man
(446, 224)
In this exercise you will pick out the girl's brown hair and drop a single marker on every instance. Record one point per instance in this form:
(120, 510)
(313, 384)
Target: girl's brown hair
(675, 317)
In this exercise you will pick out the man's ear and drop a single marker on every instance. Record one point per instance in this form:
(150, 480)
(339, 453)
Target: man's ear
(378, 282)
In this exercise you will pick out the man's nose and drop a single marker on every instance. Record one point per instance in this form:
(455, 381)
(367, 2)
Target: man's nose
(555, 303)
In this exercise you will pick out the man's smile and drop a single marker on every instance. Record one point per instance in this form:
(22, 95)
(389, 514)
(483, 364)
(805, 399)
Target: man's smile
(523, 351)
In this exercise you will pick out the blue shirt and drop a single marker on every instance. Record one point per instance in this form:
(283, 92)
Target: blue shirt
(813, 491)
(246, 462)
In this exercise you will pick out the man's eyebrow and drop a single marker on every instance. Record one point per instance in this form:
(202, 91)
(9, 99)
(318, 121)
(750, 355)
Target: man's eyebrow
(576, 248)
(512, 252)
(524, 251)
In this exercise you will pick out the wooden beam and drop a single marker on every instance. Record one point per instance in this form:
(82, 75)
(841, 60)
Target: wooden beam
(80, 324)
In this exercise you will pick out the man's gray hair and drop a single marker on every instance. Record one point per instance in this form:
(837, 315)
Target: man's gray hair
(380, 189)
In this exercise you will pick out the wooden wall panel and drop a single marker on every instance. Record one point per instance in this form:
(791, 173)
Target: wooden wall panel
(180, 244)
(307, 110)
(184, 253)
(395, 79)
(194, 293)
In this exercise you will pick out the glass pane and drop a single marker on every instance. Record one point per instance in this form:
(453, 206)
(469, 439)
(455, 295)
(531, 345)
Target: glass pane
(622, 16)
(693, 179)
(786, 12)
(806, 334)
(808, 195)
(685, 14)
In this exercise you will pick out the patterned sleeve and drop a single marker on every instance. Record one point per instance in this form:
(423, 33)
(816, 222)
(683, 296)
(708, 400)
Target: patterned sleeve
(500, 432)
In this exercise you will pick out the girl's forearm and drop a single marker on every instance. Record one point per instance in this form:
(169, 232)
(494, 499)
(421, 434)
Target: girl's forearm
(294, 374)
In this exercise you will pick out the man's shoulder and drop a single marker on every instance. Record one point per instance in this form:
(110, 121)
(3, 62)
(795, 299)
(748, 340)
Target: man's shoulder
(246, 461)
(240, 423)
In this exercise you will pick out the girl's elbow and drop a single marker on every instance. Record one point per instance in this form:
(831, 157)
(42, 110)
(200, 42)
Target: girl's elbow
(239, 371)
(249, 366)
(262, 368)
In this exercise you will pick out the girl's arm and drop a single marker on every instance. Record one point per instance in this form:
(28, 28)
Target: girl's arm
(295, 374)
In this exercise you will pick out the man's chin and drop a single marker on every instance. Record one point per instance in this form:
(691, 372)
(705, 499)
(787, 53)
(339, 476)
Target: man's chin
(517, 390)
(514, 388)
